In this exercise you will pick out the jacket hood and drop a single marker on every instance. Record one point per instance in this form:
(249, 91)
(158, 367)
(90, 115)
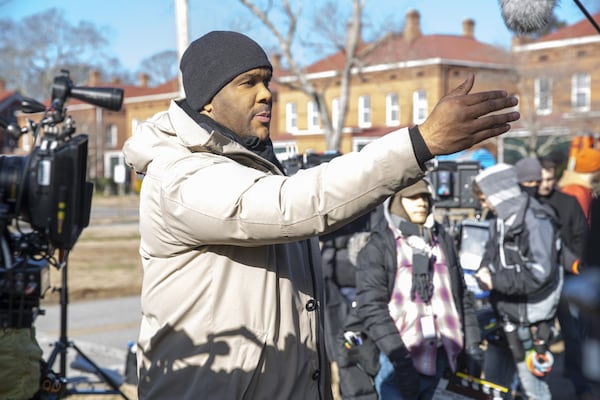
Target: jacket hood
(147, 144)
(386, 219)
(576, 178)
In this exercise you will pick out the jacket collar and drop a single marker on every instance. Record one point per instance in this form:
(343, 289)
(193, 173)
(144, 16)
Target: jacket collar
(202, 138)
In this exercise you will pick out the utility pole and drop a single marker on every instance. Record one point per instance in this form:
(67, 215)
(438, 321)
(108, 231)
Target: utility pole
(183, 37)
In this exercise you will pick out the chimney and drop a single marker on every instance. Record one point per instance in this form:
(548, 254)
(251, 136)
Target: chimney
(468, 27)
(276, 61)
(2, 85)
(144, 79)
(116, 80)
(95, 77)
(520, 40)
(412, 26)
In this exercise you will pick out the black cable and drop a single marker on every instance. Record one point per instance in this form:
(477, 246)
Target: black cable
(587, 15)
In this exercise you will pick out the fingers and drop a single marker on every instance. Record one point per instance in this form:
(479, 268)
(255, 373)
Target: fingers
(490, 132)
(494, 120)
(482, 97)
(463, 88)
(492, 105)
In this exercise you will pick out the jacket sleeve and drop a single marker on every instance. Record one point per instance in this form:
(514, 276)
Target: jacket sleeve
(211, 199)
(575, 236)
(538, 260)
(373, 296)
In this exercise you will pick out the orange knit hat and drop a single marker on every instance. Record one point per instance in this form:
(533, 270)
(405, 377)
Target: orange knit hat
(588, 160)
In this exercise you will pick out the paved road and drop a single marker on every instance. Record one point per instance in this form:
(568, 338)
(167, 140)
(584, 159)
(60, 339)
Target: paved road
(101, 329)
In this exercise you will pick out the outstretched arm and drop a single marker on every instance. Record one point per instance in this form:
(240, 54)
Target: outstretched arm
(460, 119)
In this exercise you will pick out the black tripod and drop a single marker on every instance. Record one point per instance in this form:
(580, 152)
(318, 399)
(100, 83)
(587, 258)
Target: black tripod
(63, 344)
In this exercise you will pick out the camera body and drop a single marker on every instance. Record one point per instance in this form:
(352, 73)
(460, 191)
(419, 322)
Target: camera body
(45, 199)
(451, 183)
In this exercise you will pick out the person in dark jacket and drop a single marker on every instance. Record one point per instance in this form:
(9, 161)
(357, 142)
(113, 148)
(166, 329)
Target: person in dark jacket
(573, 225)
(573, 232)
(412, 298)
(520, 267)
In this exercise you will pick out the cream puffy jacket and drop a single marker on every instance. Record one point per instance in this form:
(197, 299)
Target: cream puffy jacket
(232, 290)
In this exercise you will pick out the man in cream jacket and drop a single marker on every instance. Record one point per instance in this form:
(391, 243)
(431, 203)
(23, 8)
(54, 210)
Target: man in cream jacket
(232, 292)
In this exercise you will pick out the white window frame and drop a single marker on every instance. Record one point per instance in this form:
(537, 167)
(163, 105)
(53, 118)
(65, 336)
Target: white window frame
(111, 136)
(392, 109)
(359, 143)
(364, 111)
(285, 149)
(335, 112)
(580, 88)
(291, 117)
(108, 157)
(543, 96)
(312, 115)
(420, 106)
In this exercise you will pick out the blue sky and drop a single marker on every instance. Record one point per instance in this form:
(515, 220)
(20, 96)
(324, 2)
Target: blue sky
(137, 29)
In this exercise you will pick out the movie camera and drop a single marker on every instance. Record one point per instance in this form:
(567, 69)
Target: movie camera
(45, 198)
(451, 183)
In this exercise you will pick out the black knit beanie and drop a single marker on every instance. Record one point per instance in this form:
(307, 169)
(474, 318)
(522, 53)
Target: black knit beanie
(213, 60)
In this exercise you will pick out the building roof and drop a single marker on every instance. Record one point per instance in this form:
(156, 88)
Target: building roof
(135, 91)
(394, 49)
(580, 29)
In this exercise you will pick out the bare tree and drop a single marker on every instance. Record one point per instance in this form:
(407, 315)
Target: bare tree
(345, 37)
(36, 48)
(160, 67)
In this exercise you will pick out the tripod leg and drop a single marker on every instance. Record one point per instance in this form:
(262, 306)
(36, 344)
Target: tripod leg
(59, 349)
(100, 372)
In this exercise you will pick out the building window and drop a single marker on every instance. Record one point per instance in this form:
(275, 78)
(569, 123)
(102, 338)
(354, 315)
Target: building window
(419, 106)
(111, 136)
(335, 112)
(291, 117)
(392, 110)
(364, 112)
(285, 150)
(580, 91)
(543, 96)
(312, 113)
(359, 143)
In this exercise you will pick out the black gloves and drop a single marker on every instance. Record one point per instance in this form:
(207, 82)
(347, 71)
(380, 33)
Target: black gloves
(406, 375)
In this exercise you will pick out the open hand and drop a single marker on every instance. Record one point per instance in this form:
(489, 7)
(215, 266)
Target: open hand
(459, 120)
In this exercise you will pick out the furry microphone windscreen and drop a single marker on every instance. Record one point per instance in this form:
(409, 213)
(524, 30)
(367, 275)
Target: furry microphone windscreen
(527, 16)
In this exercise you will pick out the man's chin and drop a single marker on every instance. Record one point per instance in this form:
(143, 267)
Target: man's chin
(262, 134)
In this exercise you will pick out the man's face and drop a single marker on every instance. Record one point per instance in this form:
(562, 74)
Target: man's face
(485, 203)
(244, 104)
(547, 183)
(416, 207)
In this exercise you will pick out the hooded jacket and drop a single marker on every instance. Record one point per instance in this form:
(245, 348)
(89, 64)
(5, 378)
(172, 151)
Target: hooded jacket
(578, 185)
(232, 291)
(375, 276)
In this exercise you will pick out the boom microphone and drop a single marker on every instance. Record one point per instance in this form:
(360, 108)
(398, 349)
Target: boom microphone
(527, 16)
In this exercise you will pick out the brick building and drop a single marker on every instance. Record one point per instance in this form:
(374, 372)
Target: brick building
(559, 89)
(556, 77)
(397, 85)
